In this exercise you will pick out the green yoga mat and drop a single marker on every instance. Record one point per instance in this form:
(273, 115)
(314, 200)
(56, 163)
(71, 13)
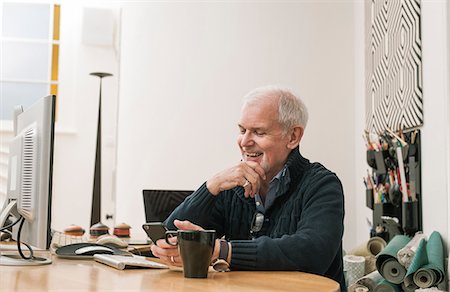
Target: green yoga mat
(427, 266)
(387, 263)
(432, 273)
(419, 260)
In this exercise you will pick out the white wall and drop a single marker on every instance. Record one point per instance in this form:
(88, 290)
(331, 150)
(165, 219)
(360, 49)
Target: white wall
(77, 112)
(448, 150)
(436, 129)
(362, 213)
(184, 69)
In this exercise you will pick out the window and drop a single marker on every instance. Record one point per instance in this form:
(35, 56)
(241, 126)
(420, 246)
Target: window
(28, 54)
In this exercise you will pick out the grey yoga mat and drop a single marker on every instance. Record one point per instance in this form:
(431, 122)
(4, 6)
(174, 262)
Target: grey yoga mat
(369, 282)
(385, 286)
(387, 263)
(370, 248)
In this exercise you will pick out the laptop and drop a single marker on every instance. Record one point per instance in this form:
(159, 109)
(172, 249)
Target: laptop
(159, 204)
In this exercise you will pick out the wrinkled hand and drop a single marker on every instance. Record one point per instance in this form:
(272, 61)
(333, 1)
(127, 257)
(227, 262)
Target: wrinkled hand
(170, 254)
(186, 225)
(247, 174)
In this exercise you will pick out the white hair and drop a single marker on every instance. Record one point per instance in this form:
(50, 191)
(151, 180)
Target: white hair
(292, 110)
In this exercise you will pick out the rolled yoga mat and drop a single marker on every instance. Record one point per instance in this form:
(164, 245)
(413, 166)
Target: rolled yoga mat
(370, 264)
(358, 288)
(353, 268)
(408, 289)
(387, 263)
(385, 286)
(370, 248)
(432, 273)
(369, 282)
(406, 254)
(419, 260)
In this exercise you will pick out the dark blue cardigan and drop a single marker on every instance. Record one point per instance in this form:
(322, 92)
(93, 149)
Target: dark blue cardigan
(302, 231)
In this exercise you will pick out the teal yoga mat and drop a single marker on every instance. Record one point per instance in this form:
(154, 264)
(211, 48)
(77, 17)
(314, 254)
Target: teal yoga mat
(387, 263)
(432, 273)
(419, 260)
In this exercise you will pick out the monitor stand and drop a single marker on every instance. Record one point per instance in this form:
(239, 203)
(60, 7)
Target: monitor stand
(15, 259)
(8, 209)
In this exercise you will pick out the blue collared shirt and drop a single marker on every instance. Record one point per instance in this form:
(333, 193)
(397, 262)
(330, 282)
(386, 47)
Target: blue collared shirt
(277, 186)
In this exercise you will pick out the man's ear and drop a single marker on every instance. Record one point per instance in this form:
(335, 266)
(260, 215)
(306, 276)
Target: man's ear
(295, 136)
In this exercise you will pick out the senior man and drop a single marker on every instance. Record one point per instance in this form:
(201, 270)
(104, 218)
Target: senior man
(275, 209)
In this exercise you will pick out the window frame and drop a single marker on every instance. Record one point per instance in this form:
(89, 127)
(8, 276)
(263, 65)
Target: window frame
(53, 43)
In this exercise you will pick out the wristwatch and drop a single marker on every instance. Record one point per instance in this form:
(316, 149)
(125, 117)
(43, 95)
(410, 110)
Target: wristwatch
(221, 264)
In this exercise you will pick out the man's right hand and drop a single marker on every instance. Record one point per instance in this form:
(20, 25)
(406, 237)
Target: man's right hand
(247, 174)
(169, 254)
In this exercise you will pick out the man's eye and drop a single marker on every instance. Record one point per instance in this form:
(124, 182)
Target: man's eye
(242, 131)
(259, 133)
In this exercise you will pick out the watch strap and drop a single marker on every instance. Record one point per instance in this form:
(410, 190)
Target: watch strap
(221, 264)
(224, 248)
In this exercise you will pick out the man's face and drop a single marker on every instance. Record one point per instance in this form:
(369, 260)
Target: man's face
(261, 136)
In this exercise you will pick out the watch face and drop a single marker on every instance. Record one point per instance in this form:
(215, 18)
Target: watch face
(221, 266)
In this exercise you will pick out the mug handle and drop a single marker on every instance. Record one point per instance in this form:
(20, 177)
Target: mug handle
(169, 234)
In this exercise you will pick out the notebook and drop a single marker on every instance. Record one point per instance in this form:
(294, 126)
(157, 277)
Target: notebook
(158, 204)
(126, 262)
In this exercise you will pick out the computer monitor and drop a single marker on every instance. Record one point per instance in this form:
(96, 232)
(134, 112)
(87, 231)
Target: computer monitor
(158, 204)
(29, 191)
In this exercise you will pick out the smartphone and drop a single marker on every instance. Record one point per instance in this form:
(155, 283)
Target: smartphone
(155, 230)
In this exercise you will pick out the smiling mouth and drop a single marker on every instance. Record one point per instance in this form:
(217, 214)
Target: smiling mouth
(252, 155)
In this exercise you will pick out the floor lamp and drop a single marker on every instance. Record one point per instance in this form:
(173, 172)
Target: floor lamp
(97, 193)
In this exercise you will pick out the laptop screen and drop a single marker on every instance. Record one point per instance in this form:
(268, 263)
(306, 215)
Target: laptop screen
(159, 204)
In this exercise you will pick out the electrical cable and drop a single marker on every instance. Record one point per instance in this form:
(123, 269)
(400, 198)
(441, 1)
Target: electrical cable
(10, 225)
(31, 257)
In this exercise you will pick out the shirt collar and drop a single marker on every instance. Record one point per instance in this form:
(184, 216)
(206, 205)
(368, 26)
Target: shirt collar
(277, 186)
(280, 174)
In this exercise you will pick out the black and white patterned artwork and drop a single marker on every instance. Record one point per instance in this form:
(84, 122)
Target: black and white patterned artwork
(393, 65)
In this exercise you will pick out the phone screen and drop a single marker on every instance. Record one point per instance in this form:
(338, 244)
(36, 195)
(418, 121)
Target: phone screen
(155, 230)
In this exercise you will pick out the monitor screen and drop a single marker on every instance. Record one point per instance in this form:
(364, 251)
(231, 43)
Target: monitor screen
(158, 204)
(30, 167)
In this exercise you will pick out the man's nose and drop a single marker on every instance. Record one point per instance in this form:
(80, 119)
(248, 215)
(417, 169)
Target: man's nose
(247, 139)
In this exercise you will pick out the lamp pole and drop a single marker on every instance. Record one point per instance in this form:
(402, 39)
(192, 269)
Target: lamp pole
(97, 193)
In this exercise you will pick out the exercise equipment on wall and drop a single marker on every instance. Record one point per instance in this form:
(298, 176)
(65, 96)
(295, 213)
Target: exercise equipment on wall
(393, 183)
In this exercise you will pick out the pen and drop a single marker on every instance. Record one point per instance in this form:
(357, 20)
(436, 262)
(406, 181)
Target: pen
(402, 174)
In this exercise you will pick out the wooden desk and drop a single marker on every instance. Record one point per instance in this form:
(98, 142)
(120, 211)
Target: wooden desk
(88, 275)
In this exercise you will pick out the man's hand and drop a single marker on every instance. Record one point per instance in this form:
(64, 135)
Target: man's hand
(169, 254)
(186, 225)
(247, 174)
